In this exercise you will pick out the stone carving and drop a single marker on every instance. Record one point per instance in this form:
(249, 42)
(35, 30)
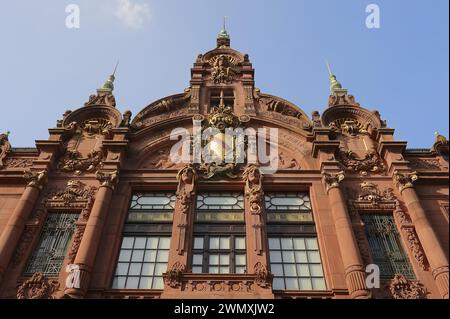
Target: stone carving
(342, 99)
(72, 160)
(371, 193)
(410, 235)
(166, 108)
(223, 69)
(263, 276)
(402, 288)
(404, 180)
(187, 178)
(18, 162)
(161, 160)
(186, 187)
(203, 286)
(287, 163)
(349, 126)
(126, 119)
(210, 170)
(35, 179)
(253, 187)
(95, 126)
(37, 287)
(173, 277)
(108, 179)
(101, 99)
(222, 117)
(424, 164)
(332, 180)
(371, 163)
(75, 190)
(440, 145)
(5, 147)
(254, 194)
(416, 247)
(76, 241)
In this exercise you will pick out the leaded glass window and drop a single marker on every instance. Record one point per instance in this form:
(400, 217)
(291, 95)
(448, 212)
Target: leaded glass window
(142, 261)
(385, 246)
(216, 254)
(220, 207)
(288, 207)
(296, 264)
(152, 207)
(50, 253)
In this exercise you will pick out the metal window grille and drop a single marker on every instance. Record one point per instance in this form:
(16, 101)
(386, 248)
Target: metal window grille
(50, 253)
(385, 246)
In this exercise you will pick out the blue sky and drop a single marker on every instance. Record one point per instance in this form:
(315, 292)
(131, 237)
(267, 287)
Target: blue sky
(401, 69)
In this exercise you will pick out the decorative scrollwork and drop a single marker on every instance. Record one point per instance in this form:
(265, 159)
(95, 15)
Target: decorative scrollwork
(36, 179)
(332, 180)
(372, 162)
(223, 69)
(402, 288)
(108, 179)
(404, 180)
(37, 287)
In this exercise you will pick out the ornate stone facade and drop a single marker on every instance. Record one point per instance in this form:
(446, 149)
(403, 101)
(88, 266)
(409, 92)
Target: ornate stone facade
(347, 160)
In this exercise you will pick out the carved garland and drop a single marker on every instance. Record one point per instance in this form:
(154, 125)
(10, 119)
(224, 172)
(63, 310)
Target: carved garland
(371, 163)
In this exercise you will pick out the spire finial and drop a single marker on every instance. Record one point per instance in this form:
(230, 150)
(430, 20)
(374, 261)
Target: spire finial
(108, 86)
(335, 85)
(223, 39)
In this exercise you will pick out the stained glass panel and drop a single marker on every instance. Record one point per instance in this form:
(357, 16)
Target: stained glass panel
(153, 201)
(289, 201)
(220, 201)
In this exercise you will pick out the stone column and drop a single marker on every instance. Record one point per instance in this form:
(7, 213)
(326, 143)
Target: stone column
(255, 229)
(354, 271)
(85, 258)
(182, 229)
(428, 238)
(13, 230)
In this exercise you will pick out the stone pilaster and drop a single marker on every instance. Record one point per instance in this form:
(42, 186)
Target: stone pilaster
(348, 245)
(87, 251)
(428, 238)
(12, 232)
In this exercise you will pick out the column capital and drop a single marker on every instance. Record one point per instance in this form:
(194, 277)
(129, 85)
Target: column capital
(37, 179)
(404, 180)
(332, 180)
(108, 179)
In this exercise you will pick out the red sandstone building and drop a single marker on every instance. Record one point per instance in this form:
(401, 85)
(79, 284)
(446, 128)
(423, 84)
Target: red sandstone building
(99, 210)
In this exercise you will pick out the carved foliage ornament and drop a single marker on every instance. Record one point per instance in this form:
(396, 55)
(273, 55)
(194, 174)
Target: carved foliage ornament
(75, 190)
(173, 277)
(37, 287)
(35, 179)
(108, 179)
(332, 180)
(370, 192)
(404, 180)
(263, 276)
(402, 288)
(223, 69)
(371, 163)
